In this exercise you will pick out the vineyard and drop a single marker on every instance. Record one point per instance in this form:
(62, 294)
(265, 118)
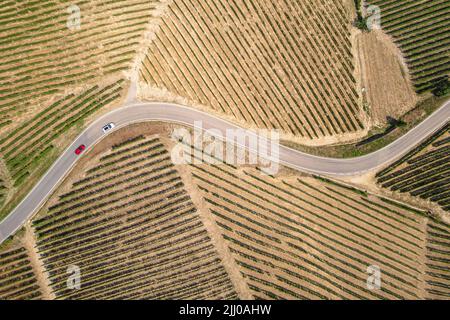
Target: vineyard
(303, 238)
(438, 259)
(42, 56)
(311, 238)
(61, 64)
(3, 191)
(421, 28)
(133, 231)
(285, 64)
(424, 171)
(137, 226)
(134, 224)
(17, 278)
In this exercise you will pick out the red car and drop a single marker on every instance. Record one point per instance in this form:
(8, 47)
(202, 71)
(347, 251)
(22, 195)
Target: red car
(80, 149)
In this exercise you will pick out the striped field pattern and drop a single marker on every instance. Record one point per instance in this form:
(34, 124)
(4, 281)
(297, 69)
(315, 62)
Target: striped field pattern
(302, 238)
(438, 261)
(3, 191)
(271, 64)
(41, 56)
(25, 148)
(424, 171)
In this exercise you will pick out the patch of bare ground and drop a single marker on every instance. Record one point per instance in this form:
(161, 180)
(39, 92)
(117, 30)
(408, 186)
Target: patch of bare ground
(29, 242)
(384, 77)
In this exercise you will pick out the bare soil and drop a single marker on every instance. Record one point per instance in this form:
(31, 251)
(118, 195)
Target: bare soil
(29, 242)
(385, 77)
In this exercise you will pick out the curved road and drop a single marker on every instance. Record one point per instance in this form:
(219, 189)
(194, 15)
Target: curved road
(140, 112)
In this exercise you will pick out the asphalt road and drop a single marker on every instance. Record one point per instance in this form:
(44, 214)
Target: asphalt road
(140, 112)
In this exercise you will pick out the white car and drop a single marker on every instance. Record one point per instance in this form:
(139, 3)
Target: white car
(108, 127)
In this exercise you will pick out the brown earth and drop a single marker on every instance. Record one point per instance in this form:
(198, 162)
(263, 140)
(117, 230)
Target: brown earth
(384, 77)
(333, 232)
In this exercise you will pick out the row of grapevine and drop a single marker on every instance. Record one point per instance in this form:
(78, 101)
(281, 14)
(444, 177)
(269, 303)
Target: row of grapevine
(277, 65)
(133, 231)
(424, 171)
(438, 260)
(17, 278)
(44, 51)
(422, 31)
(309, 238)
(26, 147)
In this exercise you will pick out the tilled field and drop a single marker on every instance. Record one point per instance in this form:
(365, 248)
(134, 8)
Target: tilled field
(138, 227)
(61, 64)
(438, 259)
(3, 191)
(26, 148)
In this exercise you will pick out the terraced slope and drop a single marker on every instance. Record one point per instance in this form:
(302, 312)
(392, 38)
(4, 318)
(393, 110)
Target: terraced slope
(423, 172)
(421, 28)
(302, 238)
(132, 229)
(438, 260)
(41, 56)
(264, 63)
(17, 278)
